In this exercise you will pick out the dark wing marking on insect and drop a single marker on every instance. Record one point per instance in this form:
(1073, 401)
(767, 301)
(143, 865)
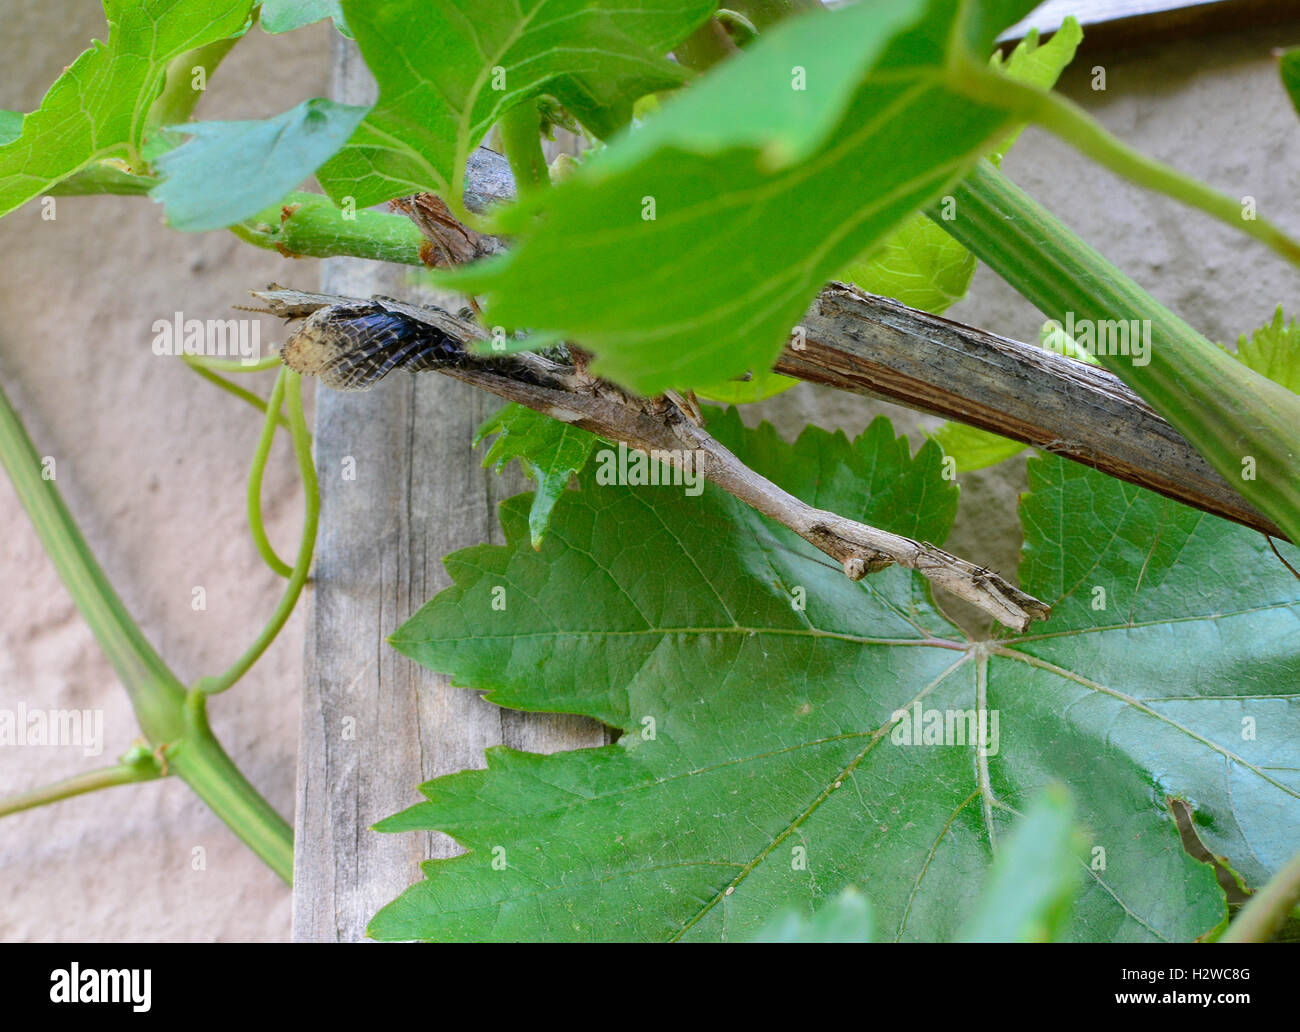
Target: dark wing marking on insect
(351, 347)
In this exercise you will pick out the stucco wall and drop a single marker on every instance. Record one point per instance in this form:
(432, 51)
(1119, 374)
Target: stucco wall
(152, 460)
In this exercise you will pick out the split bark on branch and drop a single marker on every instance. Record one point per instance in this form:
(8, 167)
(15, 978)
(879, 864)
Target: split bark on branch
(871, 345)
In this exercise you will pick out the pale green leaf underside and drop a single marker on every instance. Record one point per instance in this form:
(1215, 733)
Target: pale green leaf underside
(920, 264)
(752, 727)
(972, 448)
(11, 126)
(286, 15)
(683, 281)
(232, 170)
(97, 107)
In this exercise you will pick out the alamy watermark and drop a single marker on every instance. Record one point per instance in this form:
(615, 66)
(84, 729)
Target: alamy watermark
(81, 728)
(920, 726)
(657, 468)
(74, 984)
(1107, 337)
(209, 338)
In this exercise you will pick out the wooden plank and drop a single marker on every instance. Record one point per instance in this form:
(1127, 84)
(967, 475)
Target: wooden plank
(373, 725)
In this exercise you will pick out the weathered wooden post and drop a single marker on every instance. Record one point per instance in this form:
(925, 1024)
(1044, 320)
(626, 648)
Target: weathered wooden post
(399, 490)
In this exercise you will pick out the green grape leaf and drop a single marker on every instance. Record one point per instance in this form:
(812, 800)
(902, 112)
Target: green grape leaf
(836, 126)
(783, 729)
(286, 15)
(1187, 628)
(1027, 897)
(1289, 67)
(232, 170)
(448, 70)
(1037, 875)
(972, 448)
(1273, 350)
(920, 264)
(11, 126)
(846, 918)
(745, 392)
(108, 175)
(1041, 64)
(550, 452)
(1038, 65)
(97, 107)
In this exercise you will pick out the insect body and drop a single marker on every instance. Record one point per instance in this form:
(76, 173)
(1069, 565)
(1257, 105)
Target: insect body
(353, 346)
(350, 344)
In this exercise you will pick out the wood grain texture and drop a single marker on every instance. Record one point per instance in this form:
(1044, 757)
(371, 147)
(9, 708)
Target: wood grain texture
(874, 346)
(374, 725)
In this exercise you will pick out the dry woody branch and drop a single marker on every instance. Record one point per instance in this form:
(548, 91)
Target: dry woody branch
(874, 346)
(848, 339)
(350, 343)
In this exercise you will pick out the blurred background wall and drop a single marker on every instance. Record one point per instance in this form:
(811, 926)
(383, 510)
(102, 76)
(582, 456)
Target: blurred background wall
(152, 460)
